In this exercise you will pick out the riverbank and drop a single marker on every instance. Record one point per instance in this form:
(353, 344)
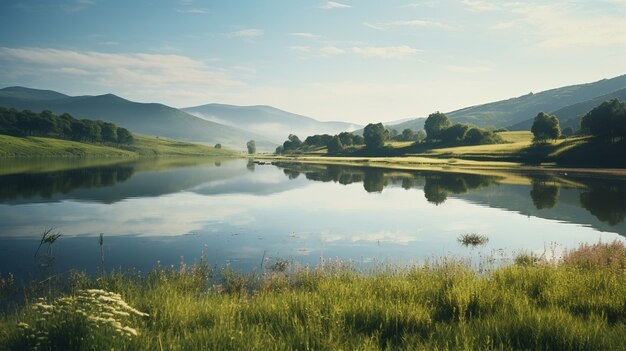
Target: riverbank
(576, 303)
(142, 146)
(442, 164)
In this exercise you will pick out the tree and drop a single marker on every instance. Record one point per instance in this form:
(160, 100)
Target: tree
(109, 132)
(435, 124)
(346, 138)
(545, 127)
(357, 139)
(218, 146)
(606, 121)
(454, 134)
(292, 142)
(420, 136)
(279, 150)
(124, 136)
(408, 135)
(374, 136)
(251, 145)
(335, 145)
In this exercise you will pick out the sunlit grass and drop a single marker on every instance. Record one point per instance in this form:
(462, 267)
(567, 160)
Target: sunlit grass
(444, 305)
(142, 146)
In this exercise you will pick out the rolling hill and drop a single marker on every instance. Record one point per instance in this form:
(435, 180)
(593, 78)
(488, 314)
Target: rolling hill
(509, 112)
(266, 120)
(570, 116)
(145, 118)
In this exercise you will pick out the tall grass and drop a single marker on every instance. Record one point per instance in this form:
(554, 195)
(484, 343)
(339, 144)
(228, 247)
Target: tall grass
(445, 305)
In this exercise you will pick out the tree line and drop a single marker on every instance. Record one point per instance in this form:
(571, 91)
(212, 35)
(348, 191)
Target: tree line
(46, 124)
(606, 121)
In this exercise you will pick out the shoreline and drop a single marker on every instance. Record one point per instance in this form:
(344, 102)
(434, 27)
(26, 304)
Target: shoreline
(439, 164)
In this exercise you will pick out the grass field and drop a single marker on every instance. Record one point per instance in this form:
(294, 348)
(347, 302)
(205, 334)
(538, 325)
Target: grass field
(577, 303)
(142, 146)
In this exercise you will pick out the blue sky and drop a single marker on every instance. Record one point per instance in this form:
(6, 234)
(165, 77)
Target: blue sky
(353, 60)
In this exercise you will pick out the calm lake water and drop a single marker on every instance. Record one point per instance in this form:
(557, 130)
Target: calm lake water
(238, 213)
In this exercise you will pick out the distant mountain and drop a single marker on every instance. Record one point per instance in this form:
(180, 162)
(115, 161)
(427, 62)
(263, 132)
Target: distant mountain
(570, 116)
(266, 120)
(31, 94)
(145, 118)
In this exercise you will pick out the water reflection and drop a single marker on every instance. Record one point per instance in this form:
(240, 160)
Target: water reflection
(604, 198)
(45, 185)
(544, 192)
(243, 211)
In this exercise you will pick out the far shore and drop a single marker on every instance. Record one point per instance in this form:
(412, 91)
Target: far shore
(441, 164)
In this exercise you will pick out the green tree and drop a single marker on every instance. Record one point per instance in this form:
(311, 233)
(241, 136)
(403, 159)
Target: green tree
(435, 124)
(454, 134)
(251, 145)
(124, 136)
(545, 127)
(357, 139)
(335, 145)
(346, 138)
(292, 142)
(374, 136)
(606, 121)
(279, 150)
(218, 146)
(109, 132)
(408, 135)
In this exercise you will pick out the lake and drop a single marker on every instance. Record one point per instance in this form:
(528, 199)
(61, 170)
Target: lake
(241, 214)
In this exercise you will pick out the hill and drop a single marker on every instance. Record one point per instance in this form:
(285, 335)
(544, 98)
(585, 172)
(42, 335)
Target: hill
(274, 123)
(145, 118)
(512, 111)
(570, 116)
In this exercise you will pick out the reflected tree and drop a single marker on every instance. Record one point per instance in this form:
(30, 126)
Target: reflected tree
(544, 194)
(606, 200)
(374, 180)
(250, 166)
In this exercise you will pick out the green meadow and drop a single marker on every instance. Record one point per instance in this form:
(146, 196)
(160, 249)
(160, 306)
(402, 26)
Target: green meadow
(142, 146)
(577, 302)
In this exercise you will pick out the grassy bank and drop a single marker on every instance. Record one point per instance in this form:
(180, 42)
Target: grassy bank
(518, 151)
(576, 304)
(142, 146)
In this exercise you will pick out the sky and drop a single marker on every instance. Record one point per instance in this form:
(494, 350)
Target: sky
(352, 60)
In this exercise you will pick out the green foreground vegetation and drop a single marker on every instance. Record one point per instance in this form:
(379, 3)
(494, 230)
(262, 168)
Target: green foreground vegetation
(574, 303)
(11, 146)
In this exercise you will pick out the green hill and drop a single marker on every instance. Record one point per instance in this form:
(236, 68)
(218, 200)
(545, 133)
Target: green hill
(145, 118)
(570, 116)
(11, 146)
(509, 112)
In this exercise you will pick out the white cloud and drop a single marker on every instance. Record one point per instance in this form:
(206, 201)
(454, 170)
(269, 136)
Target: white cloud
(330, 5)
(558, 24)
(305, 35)
(388, 52)
(192, 10)
(246, 33)
(420, 23)
(133, 75)
(332, 50)
(374, 26)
